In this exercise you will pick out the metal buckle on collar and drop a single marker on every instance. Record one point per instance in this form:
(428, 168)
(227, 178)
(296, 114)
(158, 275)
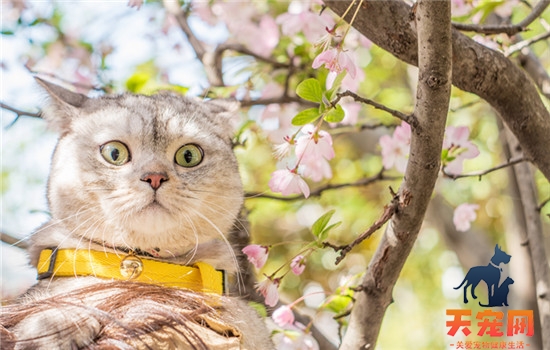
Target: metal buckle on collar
(49, 273)
(225, 284)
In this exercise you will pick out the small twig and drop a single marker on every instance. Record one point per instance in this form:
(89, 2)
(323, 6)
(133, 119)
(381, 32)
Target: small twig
(389, 210)
(541, 205)
(344, 129)
(485, 172)
(507, 29)
(408, 118)
(341, 315)
(18, 114)
(19, 243)
(525, 43)
(220, 50)
(69, 82)
(510, 29)
(363, 182)
(278, 100)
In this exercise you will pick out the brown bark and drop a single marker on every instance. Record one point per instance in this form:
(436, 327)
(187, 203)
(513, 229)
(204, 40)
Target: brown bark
(433, 20)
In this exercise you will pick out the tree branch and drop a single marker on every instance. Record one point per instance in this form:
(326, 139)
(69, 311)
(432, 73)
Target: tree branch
(485, 172)
(16, 242)
(211, 66)
(280, 99)
(433, 22)
(220, 50)
(389, 211)
(409, 119)
(510, 29)
(525, 43)
(18, 114)
(532, 65)
(316, 193)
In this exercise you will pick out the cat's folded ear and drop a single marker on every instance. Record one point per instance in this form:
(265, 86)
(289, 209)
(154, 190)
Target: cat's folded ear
(226, 113)
(62, 107)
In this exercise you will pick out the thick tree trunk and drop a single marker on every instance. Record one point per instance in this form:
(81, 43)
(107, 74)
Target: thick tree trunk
(433, 20)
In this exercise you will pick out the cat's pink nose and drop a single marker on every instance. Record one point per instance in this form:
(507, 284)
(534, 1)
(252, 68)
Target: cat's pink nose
(154, 179)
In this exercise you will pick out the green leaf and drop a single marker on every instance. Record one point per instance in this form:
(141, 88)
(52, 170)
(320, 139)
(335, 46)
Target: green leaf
(335, 115)
(260, 309)
(444, 154)
(337, 303)
(310, 90)
(324, 235)
(137, 81)
(305, 117)
(321, 223)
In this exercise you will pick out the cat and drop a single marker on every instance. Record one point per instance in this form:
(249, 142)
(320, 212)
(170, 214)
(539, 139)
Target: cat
(490, 274)
(500, 298)
(147, 180)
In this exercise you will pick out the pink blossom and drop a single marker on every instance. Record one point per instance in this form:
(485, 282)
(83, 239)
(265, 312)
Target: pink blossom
(460, 7)
(283, 316)
(352, 110)
(463, 216)
(261, 38)
(288, 182)
(269, 290)
(352, 83)
(457, 142)
(311, 24)
(395, 148)
(204, 12)
(335, 60)
(298, 265)
(256, 254)
(272, 90)
(316, 169)
(314, 145)
(283, 149)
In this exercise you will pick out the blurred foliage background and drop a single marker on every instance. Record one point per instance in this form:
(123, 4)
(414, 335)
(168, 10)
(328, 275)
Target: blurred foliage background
(100, 47)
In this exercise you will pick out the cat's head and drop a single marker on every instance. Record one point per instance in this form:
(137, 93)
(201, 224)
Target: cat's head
(154, 173)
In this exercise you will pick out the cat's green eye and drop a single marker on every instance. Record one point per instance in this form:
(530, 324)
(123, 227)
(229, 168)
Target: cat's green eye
(189, 155)
(115, 152)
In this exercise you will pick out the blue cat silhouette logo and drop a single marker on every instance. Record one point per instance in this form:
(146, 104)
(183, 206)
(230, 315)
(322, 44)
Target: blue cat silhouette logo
(490, 274)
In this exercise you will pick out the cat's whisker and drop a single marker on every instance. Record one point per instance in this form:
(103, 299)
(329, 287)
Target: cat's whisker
(235, 217)
(229, 247)
(51, 224)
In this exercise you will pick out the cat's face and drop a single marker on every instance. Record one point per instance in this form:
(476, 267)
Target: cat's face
(152, 173)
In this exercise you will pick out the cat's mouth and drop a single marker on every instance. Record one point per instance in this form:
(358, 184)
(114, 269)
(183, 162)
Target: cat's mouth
(155, 205)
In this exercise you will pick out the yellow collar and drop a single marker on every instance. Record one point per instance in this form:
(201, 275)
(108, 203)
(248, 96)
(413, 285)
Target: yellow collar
(200, 277)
